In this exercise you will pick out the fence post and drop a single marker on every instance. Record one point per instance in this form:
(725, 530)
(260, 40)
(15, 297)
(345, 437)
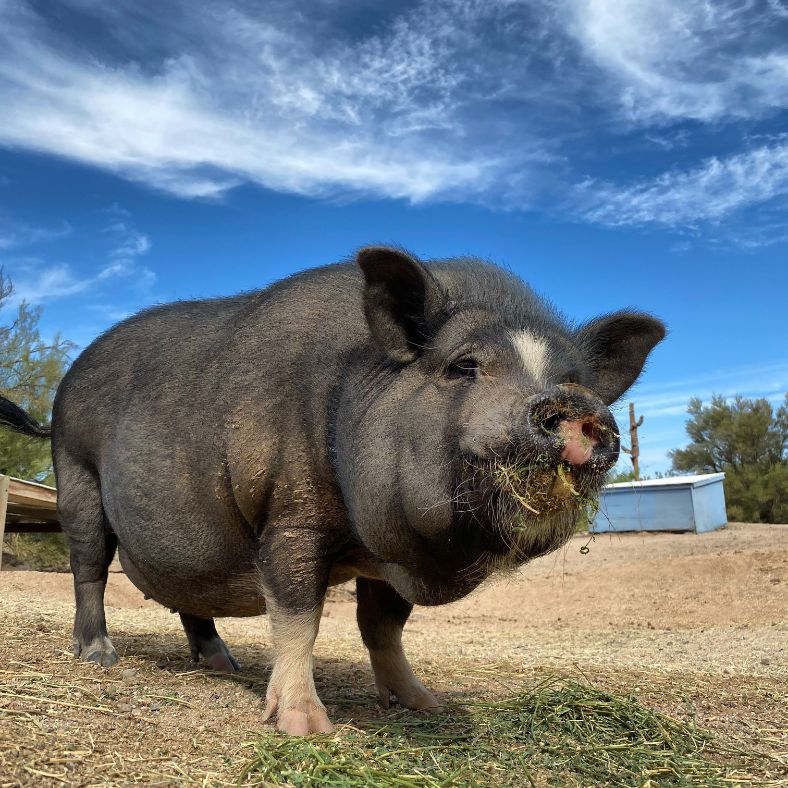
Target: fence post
(634, 443)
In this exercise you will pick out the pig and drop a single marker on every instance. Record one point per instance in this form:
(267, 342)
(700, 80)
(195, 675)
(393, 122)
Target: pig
(414, 426)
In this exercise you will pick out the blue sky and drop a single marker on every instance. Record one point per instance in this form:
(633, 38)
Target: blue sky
(613, 154)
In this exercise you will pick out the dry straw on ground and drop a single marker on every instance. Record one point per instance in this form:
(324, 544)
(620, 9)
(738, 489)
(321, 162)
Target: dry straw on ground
(552, 677)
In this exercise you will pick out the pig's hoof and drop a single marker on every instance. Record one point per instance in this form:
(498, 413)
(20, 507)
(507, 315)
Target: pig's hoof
(412, 695)
(296, 721)
(104, 658)
(301, 723)
(224, 662)
(100, 651)
(393, 675)
(217, 656)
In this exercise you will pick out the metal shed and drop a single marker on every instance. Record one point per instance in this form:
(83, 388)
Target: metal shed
(681, 503)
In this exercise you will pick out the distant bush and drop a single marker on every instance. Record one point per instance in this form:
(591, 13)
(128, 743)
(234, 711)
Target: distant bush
(747, 440)
(30, 371)
(44, 552)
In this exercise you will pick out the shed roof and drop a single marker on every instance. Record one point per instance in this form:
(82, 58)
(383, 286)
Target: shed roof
(674, 481)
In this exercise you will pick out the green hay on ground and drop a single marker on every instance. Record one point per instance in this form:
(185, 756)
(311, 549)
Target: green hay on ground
(560, 732)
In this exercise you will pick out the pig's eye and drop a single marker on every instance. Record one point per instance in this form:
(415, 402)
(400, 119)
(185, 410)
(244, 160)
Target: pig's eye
(465, 367)
(569, 377)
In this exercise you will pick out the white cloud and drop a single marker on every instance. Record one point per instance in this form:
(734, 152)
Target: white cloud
(15, 234)
(497, 101)
(707, 193)
(36, 281)
(249, 101)
(664, 406)
(52, 281)
(672, 397)
(688, 59)
(128, 246)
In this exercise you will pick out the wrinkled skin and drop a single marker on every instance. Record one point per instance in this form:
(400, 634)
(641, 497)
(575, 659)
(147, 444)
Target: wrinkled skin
(415, 426)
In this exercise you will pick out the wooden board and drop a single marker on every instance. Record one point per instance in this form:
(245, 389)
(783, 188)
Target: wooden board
(27, 507)
(4, 482)
(32, 494)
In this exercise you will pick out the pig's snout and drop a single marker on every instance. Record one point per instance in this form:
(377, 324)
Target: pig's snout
(580, 438)
(576, 427)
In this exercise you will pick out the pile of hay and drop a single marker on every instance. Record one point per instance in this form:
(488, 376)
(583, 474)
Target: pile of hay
(559, 732)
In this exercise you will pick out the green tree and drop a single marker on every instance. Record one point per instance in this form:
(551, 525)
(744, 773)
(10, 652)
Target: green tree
(747, 440)
(616, 477)
(30, 370)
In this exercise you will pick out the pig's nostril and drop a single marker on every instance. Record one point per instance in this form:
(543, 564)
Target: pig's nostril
(551, 424)
(590, 431)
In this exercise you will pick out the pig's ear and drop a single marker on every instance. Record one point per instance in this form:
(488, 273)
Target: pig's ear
(616, 347)
(402, 301)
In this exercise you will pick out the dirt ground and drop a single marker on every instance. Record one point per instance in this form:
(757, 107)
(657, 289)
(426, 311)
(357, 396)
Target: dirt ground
(694, 625)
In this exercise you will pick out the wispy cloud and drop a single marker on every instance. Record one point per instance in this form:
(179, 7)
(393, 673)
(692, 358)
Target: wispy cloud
(664, 405)
(499, 101)
(46, 282)
(128, 246)
(706, 193)
(688, 59)
(671, 398)
(36, 280)
(18, 234)
(252, 99)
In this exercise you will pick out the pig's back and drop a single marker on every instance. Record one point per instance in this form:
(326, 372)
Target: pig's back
(182, 366)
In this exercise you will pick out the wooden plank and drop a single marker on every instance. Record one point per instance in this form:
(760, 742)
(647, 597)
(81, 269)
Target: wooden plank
(27, 507)
(29, 512)
(4, 480)
(26, 527)
(32, 494)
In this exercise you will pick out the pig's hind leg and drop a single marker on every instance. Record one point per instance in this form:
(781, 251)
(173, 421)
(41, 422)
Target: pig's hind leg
(204, 641)
(92, 546)
(381, 613)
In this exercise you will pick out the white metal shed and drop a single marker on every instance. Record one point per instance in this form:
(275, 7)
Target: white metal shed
(680, 503)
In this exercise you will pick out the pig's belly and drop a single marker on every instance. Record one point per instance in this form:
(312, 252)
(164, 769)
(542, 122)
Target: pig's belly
(180, 544)
(208, 595)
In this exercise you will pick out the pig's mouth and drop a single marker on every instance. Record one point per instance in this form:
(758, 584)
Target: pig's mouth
(538, 491)
(524, 496)
(527, 508)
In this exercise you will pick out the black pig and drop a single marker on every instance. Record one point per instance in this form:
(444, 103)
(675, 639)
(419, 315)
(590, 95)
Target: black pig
(415, 426)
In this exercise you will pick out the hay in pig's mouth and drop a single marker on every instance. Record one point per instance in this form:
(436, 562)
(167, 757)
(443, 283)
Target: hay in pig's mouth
(528, 508)
(541, 491)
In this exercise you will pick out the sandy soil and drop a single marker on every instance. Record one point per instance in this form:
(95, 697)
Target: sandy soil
(696, 624)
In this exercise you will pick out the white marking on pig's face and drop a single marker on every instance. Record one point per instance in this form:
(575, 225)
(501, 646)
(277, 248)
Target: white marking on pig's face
(533, 352)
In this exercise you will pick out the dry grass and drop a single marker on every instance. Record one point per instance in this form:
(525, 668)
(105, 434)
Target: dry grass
(68, 723)
(542, 491)
(46, 552)
(156, 720)
(700, 698)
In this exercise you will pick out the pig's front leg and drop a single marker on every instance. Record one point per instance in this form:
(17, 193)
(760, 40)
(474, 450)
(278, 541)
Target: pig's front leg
(291, 697)
(294, 578)
(381, 615)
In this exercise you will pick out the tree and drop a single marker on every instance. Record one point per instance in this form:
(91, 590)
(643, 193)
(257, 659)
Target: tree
(30, 370)
(747, 440)
(616, 477)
